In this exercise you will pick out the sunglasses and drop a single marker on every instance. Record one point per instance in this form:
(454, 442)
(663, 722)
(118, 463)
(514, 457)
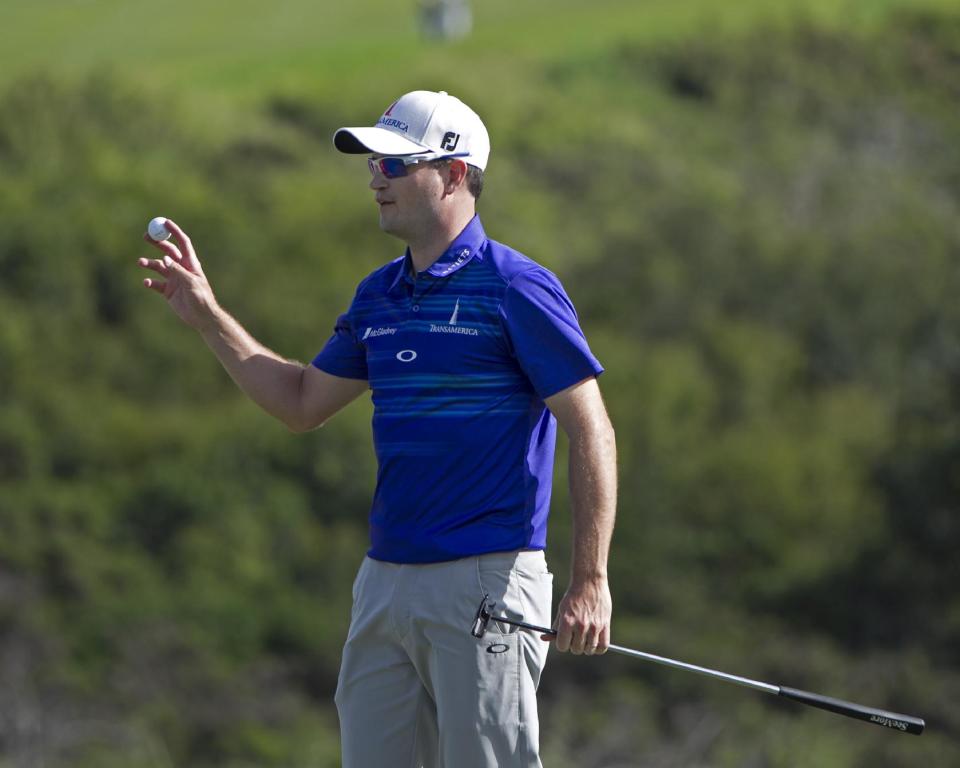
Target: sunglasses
(396, 167)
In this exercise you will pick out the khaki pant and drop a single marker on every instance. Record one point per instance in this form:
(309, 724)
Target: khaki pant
(417, 689)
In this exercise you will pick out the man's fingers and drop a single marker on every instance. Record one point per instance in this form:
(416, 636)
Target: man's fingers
(563, 638)
(587, 635)
(182, 251)
(186, 245)
(164, 245)
(163, 266)
(603, 642)
(569, 637)
(178, 233)
(573, 632)
(156, 265)
(577, 642)
(172, 266)
(590, 638)
(584, 617)
(590, 641)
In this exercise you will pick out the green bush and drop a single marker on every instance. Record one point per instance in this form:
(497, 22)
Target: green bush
(759, 234)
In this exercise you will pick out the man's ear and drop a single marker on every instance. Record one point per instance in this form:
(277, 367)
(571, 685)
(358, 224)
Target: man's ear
(457, 170)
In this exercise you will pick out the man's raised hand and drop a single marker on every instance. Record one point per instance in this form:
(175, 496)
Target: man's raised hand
(184, 285)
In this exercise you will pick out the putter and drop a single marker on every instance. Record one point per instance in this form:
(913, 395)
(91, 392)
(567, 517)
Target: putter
(902, 723)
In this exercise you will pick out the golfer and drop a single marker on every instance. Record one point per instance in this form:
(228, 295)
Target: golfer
(473, 353)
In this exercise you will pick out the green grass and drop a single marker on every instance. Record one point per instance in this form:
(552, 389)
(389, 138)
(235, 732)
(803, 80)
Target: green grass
(242, 49)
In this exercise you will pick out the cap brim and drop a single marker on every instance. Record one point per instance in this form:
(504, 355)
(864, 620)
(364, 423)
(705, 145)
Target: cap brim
(380, 141)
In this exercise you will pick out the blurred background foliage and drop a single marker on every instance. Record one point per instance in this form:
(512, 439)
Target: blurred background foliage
(755, 209)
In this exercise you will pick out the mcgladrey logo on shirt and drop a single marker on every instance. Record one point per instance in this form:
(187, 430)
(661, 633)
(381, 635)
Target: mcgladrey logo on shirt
(451, 326)
(372, 333)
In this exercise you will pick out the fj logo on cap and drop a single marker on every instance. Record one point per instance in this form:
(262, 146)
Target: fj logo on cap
(450, 141)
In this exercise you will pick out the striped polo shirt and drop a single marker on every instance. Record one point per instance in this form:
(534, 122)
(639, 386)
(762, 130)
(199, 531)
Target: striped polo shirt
(460, 358)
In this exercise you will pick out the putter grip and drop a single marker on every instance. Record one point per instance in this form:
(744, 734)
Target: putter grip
(904, 723)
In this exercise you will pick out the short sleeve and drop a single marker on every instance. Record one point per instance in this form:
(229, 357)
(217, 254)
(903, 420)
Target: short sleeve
(344, 354)
(544, 333)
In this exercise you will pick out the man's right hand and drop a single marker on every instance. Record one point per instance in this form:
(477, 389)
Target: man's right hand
(301, 396)
(185, 287)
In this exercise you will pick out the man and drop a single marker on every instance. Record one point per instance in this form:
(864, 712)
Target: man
(473, 353)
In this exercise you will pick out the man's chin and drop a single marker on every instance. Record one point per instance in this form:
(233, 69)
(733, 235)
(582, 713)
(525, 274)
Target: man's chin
(388, 225)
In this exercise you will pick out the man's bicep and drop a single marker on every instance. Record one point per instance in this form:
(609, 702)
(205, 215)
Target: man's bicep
(323, 394)
(579, 406)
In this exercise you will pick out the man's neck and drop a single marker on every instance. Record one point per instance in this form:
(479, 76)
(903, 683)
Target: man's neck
(425, 251)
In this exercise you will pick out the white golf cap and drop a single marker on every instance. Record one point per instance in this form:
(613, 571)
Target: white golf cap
(429, 123)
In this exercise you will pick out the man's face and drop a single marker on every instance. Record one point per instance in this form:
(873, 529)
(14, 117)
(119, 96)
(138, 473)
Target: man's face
(409, 205)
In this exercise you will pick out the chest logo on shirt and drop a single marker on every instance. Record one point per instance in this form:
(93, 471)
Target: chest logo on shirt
(406, 355)
(374, 332)
(451, 326)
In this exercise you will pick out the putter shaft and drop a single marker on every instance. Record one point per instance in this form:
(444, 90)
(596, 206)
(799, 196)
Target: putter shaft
(898, 722)
(755, 684)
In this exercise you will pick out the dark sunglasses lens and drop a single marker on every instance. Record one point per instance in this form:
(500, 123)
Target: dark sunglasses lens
(392, 167)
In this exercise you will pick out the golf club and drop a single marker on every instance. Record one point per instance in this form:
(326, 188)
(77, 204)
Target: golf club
(902, 723)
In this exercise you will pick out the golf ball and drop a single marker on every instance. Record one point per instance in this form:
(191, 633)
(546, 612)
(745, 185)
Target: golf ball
(156, 230)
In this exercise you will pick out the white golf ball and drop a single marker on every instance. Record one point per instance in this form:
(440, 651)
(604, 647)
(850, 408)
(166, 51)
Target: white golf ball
(156, 230)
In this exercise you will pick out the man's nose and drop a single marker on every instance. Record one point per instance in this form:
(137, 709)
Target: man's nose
(378, 180)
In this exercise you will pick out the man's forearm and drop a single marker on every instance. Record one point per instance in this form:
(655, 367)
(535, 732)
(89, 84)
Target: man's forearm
(593, 498)
(271, 381)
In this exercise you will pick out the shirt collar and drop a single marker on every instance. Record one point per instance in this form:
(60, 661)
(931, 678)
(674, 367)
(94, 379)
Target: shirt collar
(463, 248)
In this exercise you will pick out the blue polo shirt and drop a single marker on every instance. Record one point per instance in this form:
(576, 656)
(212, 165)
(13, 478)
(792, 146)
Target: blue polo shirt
(459, 359)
